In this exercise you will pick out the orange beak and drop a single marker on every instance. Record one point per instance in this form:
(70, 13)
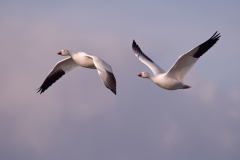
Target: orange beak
(59, 53)
(140, 75)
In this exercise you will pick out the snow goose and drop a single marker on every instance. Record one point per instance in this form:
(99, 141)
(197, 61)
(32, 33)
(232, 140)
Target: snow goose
(172, 79)
(80, 59)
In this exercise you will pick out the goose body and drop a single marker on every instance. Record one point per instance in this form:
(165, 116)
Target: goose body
(84, 60)
(173, 78)
(166, 82)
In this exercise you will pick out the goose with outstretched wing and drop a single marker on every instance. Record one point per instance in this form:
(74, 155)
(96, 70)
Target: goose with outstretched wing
(84, 60)
(173, 78)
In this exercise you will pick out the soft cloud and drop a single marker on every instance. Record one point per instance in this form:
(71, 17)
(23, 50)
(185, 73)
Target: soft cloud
(235, 95)
(170, 135)
(202, 88)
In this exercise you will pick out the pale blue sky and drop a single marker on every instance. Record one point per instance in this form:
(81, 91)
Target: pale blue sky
(78, 118)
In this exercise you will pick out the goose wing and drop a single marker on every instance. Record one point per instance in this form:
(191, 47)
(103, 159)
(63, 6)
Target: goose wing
(57, 72)
(105, 72)
(185, 62)
(144, 59)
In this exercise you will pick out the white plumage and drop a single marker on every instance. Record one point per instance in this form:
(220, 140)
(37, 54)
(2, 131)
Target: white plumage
(84, 60)
(172, 79)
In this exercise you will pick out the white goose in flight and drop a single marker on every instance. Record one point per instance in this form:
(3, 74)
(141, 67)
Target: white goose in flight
(80, 59)
(173, 78)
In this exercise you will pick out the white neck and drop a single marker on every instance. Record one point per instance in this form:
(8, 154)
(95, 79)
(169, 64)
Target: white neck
(71, 53)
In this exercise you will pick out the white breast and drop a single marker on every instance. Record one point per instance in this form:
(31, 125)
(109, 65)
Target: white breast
(83, 60)
(166, 82)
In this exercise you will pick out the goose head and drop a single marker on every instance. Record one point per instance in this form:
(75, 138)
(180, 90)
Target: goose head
(64, 52)
(144, 75)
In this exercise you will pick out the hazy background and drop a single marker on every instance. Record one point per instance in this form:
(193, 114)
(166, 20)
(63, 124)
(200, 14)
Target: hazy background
(78, 118)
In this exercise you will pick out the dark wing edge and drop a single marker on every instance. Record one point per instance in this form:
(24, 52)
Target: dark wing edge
(204, 47)
(110, 82)
(50, 80)
(138, 50)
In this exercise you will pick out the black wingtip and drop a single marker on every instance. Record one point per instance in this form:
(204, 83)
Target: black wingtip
(138, 50)
(50, 80)
(135, 47)
(204, 47)
(114, 91)
(110, 82)
(40, 90)
(216, 35)
(134, 44)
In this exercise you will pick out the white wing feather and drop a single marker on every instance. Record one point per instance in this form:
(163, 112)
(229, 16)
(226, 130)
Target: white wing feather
(147, 61)
(105, 72)
(187, 60)
(183, 64)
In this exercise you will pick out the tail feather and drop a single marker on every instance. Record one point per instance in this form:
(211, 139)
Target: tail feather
(185, 86)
